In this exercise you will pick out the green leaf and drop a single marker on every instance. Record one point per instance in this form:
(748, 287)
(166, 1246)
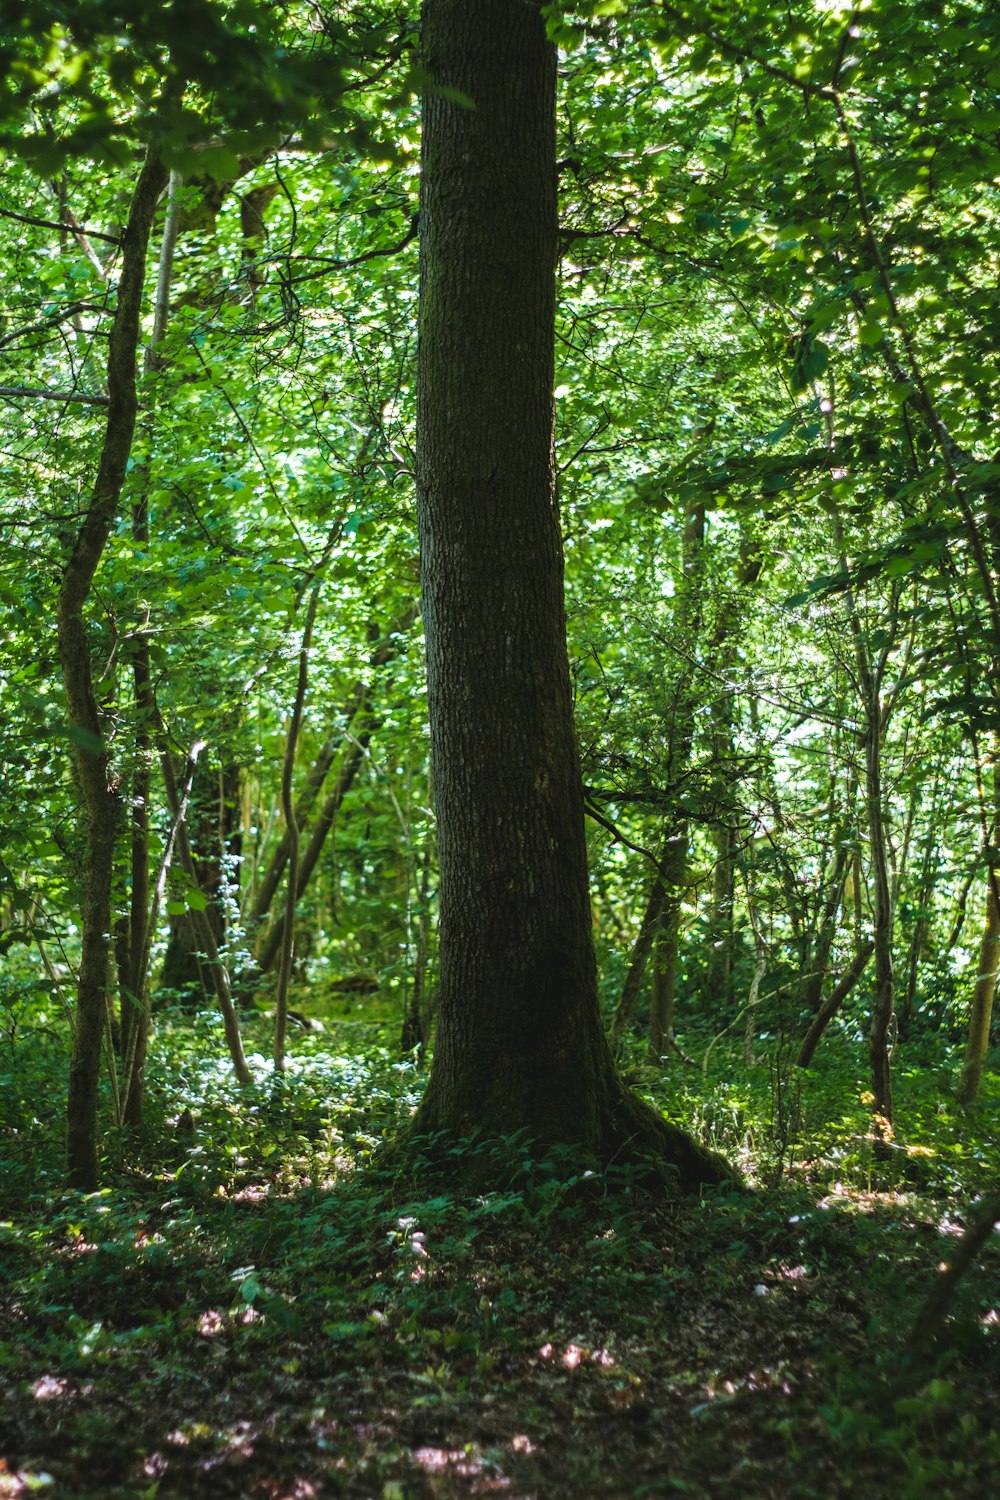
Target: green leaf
(86, 740)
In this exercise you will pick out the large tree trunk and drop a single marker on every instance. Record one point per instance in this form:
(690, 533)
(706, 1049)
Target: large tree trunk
(520, 1044)
(86, 728)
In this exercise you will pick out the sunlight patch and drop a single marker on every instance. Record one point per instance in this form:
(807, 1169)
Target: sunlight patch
(48, 1387)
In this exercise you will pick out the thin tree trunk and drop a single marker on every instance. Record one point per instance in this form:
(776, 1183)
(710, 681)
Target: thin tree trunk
(269, 944)
(964, 1254)
(664, 987)
(961, 909)
(287, 950)
(86, 727)
(882, 1009)
(663, 889)
(719, 978)
(989, 957)
(210, 823)
(921, 922)
(869, 683)
(664, 893)
(983, 995)
(825, 932)
(833, 1002)
(355, 714)
(200, 920)
(135, 1000)
(417, 1019)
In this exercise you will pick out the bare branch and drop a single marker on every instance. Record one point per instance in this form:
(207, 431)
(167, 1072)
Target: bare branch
(37, 394)
(76, 228)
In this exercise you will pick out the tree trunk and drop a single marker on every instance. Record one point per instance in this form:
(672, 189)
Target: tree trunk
(270, 942)
(719, 979)
(663, 890)
(135, 996)
(356, 714)
(828, 1009)
(989, 956)
(664, 989)
(212, 823)
(870, 673)
(520, 1044)
(964, 1254)
(92, 760)
(200, 919)
(416, 1029)
(292, 836)
(982, 1001)
(879, 1048)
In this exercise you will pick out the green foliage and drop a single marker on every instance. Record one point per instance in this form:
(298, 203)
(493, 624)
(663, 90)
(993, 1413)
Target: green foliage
(252, 1255)
(761, 335)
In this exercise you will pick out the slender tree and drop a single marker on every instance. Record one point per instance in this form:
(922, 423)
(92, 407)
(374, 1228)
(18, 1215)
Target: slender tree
(100, 796)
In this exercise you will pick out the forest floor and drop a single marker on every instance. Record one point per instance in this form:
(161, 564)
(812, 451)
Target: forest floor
(255, 1310)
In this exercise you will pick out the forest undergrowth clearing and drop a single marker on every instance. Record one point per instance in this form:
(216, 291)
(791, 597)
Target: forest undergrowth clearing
(247, 1314)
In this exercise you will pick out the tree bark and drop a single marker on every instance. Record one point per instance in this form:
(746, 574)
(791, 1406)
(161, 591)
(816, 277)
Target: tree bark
(520, 1044)
(664, 988)
(983, 995)
(100, 796)
(830, 1006)
(135, 996)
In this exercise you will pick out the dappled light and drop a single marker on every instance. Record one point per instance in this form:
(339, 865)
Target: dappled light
(500, 810)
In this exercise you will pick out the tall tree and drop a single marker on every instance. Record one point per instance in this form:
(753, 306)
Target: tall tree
(87, 727)
(520, 1044)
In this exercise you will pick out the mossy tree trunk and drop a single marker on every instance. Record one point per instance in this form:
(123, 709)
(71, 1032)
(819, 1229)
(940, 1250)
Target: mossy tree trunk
(520, 1044)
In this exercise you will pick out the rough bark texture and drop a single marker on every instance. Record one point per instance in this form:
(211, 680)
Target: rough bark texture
(99, 796)
(520, 1044)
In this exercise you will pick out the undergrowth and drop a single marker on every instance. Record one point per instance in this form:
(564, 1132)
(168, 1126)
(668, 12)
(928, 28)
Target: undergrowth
(252, 1305)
